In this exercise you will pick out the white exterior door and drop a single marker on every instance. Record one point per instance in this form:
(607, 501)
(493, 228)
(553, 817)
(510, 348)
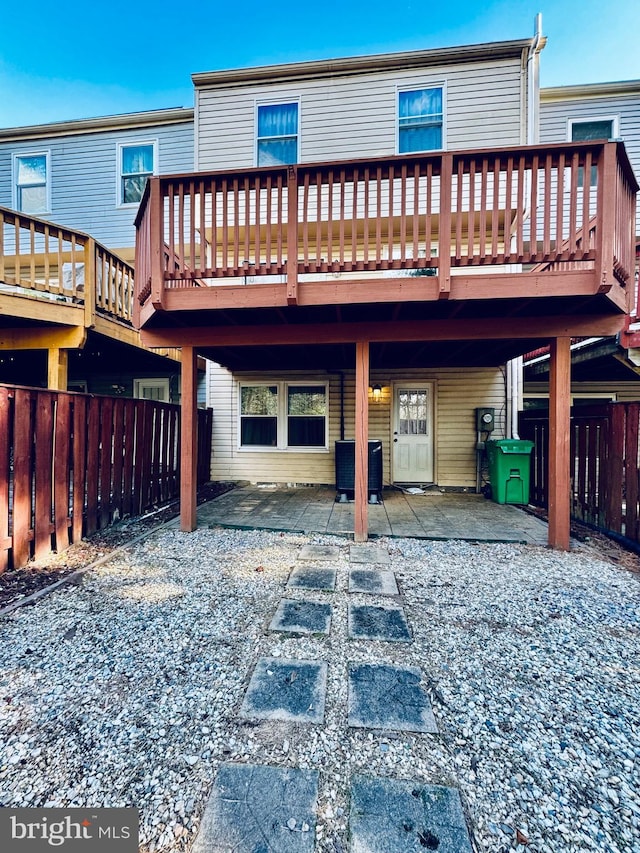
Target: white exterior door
(413, 433)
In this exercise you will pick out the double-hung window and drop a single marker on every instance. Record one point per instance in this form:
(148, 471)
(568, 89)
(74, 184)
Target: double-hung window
(277, 134)
(284, 415)
(137, 162)
(420, 119)
(587, 130)
(31, 180)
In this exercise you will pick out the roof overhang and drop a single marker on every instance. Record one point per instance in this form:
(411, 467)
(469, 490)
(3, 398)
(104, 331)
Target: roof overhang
(126, 121)
(318, 69)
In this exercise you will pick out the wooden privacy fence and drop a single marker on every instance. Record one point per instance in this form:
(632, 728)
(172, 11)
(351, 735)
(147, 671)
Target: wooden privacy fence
(604, 465)
(71, 464)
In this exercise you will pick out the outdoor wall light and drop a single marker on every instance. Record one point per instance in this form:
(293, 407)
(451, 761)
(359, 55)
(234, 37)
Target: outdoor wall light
(376, 391)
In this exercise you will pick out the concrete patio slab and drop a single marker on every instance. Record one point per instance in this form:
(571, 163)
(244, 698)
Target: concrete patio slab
(368, 554)
(373, 581)
(290, 690)
(301, 617)
(434, 515)
(319, 552)
(382, 696)
(367, 622)
(394, 816)
(307, 577)
(255, 809)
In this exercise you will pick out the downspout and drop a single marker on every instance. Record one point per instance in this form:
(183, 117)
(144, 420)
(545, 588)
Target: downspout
(514, 367)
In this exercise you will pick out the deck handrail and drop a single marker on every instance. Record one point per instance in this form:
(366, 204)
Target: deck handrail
(546, 204)
(44, 258)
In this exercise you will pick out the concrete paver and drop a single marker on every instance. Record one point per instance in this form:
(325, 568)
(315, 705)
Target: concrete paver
(382, 696)
(368, 554)
(367, 622)
(319, 552)
(372, 581)
(393, 816)
(259, 809)
(301, 617)
(291, 690)
(307, 577)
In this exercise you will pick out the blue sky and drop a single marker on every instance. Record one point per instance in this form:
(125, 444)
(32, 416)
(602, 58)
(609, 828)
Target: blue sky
(79, 59)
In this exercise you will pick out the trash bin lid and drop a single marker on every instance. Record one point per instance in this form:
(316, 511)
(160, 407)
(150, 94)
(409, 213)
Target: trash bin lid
(512, 445)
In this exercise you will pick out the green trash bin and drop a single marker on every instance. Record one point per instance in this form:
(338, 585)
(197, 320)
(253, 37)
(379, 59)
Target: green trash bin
(509, 470)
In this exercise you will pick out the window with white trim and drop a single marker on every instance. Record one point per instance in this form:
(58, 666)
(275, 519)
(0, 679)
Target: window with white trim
(136, 163)
(420, 119)
(284, 415)
(152, 389)
(588, 129)
(31, 182)
(277, 134)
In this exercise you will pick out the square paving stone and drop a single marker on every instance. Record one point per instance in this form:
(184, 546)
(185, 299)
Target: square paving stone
(378, 623)
(374, 581)
(382, 696)
(368, 554)
(393, 816)
(301, 617)
(319, 552)
(291, 690)
(255, 809)
(306, 577)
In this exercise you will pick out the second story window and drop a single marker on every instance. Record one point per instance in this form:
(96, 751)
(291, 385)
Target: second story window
(137, 163)
(31, 173)
(585, 130)
(420, 120)
(277, 138)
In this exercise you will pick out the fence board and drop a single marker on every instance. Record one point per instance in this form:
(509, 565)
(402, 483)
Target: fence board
(605, 463)
(76, 459)
(22, 463)
(5, 444)
(61, 470)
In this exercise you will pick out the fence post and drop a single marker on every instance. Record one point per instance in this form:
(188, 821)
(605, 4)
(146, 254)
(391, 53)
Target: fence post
(613, 506)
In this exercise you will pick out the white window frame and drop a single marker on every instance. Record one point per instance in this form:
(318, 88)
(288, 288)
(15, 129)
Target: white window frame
(418, 87)
(19, 155)
(282, 417)
(275, 103)
(132, 143)
(605, 396)
(614, 119)
(152, 382)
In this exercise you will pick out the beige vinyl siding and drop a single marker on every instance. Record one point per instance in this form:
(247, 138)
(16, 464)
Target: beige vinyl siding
(355, 116)
(621, 391)
(554, 116)
(457, 393)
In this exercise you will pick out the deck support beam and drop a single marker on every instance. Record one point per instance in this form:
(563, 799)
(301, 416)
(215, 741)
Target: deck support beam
(361, 490)
(559, 443)
(57, 369)
(188, 441)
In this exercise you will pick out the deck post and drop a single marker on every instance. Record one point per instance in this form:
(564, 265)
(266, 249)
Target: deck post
(559, 443)
(57, 368)
(361, 490)
(188, 441)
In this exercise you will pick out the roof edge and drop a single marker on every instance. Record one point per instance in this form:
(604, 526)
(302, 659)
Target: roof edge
(360, 64)
(172, 115)
(589, 90)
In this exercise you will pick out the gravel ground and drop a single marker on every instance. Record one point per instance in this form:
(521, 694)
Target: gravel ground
(125, 689)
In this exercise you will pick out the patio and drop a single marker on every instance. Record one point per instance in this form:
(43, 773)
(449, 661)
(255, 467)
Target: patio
(432, 515)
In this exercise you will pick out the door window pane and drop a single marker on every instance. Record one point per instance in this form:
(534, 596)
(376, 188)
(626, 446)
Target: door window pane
(413, 412)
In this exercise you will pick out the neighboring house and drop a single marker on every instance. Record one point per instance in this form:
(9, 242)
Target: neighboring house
(88, 177)
(601, 369)
(377, 271)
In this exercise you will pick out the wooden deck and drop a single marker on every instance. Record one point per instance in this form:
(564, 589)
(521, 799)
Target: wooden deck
(58, 285)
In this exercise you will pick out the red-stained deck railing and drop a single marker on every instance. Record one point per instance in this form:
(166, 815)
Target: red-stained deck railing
(545, 205)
